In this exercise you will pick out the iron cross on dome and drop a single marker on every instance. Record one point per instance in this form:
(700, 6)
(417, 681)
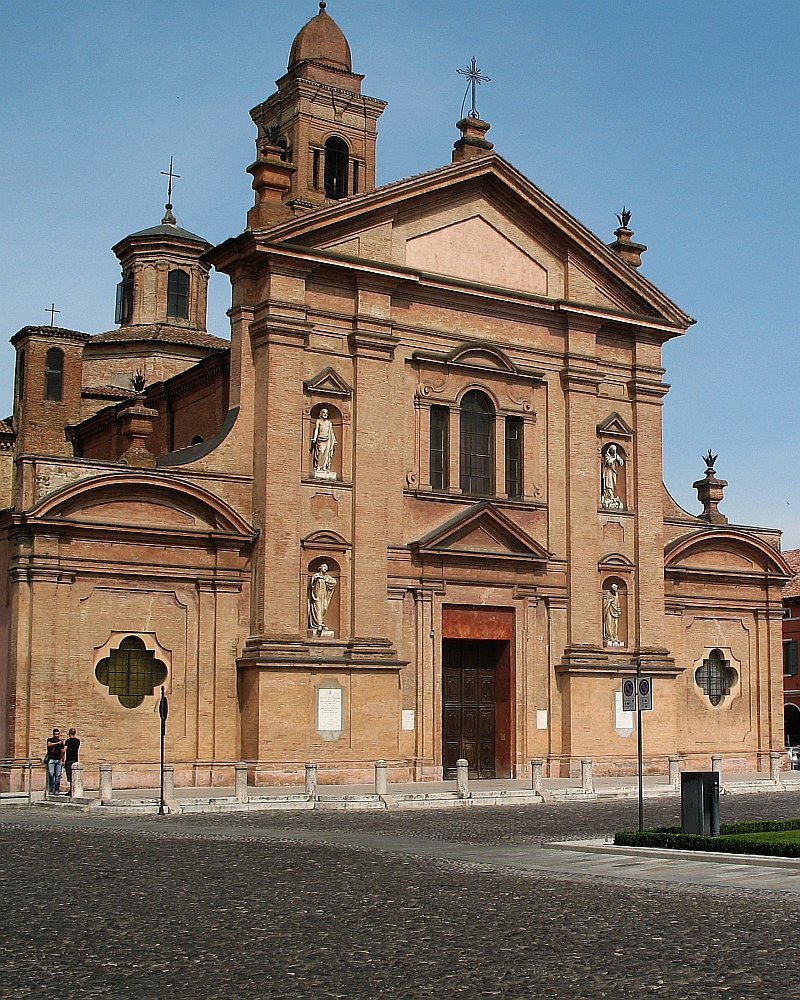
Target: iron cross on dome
(475, 79)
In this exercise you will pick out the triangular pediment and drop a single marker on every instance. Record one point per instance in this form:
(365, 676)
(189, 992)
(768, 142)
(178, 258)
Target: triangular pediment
(473, 249)
(482, 530)
(328, 382)
(482, 222)
(615, 426)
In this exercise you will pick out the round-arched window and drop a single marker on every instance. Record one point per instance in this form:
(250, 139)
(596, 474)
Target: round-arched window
(477, 444)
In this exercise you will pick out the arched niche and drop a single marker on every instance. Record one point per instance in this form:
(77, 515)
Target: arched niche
(336, 419)
(613, 476)
(614, 613)
(332, 617)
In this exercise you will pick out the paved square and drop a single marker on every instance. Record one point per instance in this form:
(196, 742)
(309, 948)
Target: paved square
(448, 905)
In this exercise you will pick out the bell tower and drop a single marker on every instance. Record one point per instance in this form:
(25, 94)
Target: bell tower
(316, 135)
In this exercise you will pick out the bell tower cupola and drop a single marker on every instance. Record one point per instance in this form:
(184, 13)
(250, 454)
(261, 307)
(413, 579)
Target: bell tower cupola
(316, 134)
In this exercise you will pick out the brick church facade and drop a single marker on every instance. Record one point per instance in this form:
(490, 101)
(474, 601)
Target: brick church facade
(413, 510)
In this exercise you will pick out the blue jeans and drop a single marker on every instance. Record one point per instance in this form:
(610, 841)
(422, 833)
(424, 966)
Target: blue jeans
(53, 776)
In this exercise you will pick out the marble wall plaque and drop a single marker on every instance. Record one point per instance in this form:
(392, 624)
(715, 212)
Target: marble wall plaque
(541, 719)
(408, 718)
(623, 721)
(329, 710)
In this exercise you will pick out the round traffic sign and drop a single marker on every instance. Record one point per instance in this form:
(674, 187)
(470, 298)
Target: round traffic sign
(644, 687)
(628, 688)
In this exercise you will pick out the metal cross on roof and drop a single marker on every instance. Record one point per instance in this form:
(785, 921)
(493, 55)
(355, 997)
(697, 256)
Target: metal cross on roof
(171, 175)
(52, 310)
(475, 78)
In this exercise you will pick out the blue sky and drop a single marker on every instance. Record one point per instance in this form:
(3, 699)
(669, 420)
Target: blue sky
(685, 111)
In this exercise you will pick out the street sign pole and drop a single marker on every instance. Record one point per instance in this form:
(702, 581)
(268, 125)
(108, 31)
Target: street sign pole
(163, 711)
(639, 742)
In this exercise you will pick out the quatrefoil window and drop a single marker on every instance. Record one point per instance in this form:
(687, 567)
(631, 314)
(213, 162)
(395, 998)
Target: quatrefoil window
(715, 677)
(131, 671)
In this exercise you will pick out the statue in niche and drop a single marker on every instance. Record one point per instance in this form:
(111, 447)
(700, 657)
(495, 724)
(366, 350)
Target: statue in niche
(611, 459)
(323, 445)
(320, 591)
(612, 612)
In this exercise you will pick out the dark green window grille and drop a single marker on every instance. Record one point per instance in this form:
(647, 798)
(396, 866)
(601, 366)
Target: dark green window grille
(440, 458)
(131, 671)
(715, 677)
(789, 657)
(477, 453)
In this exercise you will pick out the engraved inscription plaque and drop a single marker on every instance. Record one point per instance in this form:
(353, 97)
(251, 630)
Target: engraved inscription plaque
(329, 710)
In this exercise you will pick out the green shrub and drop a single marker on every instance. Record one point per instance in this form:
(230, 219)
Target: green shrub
(728, 842)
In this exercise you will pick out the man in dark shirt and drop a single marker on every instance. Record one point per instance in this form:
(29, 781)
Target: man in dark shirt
(72, 743)
(55, 751)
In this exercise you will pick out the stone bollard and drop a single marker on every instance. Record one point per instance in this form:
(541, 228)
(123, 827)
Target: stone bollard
(76, 786)
(774, 766)
(381, 777)
(240, 781)
(311, 780)
(169, 783)
(462, 778)
(716, 764)
(587, 779)
(105, 791)
(537, 768)
(674, 770)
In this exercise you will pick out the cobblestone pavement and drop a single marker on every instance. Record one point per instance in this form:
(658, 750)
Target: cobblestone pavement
(214, 907)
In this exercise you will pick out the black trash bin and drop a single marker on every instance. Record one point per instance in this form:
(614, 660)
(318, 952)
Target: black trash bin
(700, 802)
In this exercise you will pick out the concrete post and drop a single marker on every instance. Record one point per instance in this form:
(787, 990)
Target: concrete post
(537, 767)
(76, 786)
(311, 780)
(587, 778)
(105, 791)
(774, 766)
(462, 778)
(716, 763)
(381, 777)
(674, 770)
(240, 781)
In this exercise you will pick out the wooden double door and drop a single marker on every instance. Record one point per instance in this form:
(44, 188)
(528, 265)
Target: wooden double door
(474, 702)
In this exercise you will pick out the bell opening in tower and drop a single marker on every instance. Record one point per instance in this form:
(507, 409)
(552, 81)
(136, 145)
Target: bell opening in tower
(336, 158)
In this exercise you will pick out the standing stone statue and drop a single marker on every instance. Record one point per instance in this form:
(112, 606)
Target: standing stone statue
(611, 459)
(612, 612)
(323, 445)
(320, 591)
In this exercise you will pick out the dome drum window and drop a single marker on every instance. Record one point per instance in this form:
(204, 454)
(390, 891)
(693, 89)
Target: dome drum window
(178, 295)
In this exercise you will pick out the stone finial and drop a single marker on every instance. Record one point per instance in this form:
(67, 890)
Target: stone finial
(137, 426)
(623, 246)
(473, 141)
(710, 492)
(272, 178)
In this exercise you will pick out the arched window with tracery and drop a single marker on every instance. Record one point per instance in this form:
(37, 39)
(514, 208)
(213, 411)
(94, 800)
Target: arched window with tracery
(178, 295)
(336, 158)
(54, 374)
(477, 444)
